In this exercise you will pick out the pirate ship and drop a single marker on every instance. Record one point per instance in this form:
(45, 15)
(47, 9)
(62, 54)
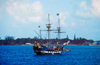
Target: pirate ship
(47, 49)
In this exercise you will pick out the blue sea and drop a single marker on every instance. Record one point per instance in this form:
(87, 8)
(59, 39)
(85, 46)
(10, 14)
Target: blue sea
(24, 55)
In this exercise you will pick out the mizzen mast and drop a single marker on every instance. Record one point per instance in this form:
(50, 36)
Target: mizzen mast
(59, 28)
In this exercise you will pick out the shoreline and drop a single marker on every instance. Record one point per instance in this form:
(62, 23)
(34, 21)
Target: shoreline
(32, 45)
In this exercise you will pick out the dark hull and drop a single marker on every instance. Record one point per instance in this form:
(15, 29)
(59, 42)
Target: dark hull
(40, 51)
(48, 53)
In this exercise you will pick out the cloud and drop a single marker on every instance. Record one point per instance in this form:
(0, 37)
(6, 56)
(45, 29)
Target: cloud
(73, 24)
(82, 4)
(63, 17)
(0, 13)
(25, 11)
(96, 7)
(87, 11)
(34, 18)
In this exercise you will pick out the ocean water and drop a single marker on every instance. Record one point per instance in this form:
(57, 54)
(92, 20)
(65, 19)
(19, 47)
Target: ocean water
(24, 55)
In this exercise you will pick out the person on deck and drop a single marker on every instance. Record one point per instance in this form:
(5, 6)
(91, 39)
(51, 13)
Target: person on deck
(35, 47)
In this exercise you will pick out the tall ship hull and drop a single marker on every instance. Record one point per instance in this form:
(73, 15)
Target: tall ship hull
(43, 50)
(48, 52)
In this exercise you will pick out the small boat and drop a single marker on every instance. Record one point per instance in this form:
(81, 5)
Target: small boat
(46, 49)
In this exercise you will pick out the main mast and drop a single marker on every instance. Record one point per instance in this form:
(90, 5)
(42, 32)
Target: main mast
(48, 26)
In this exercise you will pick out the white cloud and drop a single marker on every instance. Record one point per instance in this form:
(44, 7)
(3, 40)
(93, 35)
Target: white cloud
(37, 7)
(96, 7)
(82, 4)
(17, 17)
(73, 24)
(87, 11)
(34, 18)
(25, 11)
(0, 13)
(63, 17)
(84, 14)
(23, 20)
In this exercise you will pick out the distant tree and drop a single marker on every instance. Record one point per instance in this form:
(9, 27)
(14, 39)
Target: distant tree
(74, 37)
(9, 38)
(0, 38)
(35, 37)
(67, 37)
(80, 38)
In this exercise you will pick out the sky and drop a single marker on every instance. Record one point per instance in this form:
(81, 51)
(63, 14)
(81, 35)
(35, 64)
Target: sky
(21, 18)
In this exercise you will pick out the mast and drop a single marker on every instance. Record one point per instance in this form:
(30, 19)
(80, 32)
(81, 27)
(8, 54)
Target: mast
(48, 26)
(58, 28)
(40, 32)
